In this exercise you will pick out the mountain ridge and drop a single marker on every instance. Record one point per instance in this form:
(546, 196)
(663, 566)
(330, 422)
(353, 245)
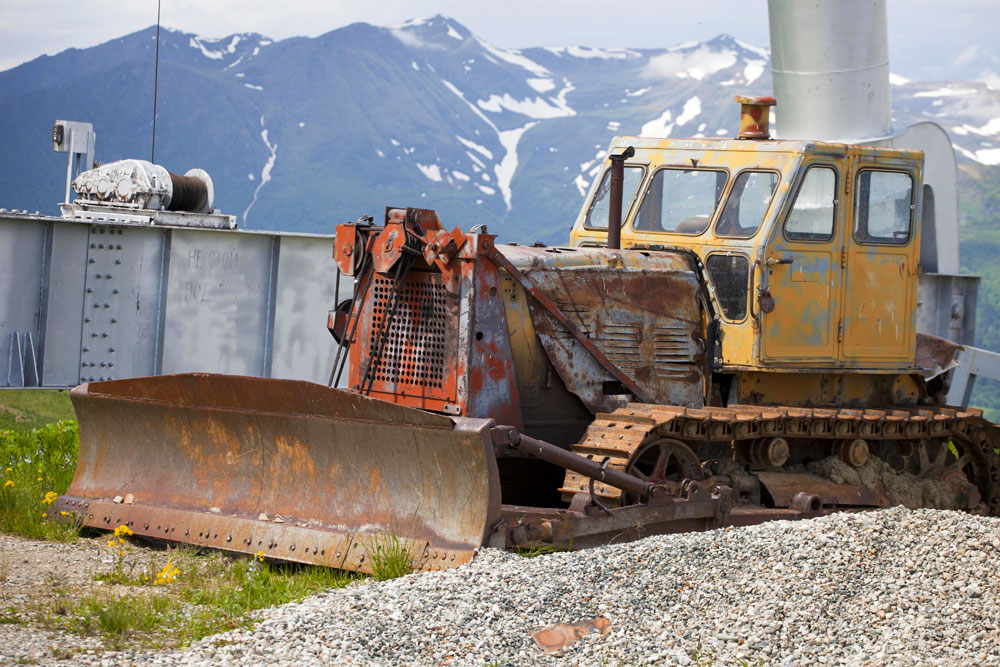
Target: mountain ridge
(304, 132)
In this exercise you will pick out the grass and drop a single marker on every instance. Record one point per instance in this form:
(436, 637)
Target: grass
(390, 557)
(27, 409)
(535, 550)
(210, 593)
(36, 466)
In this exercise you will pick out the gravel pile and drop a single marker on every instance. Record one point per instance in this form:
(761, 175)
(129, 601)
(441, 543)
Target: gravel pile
(877, 588)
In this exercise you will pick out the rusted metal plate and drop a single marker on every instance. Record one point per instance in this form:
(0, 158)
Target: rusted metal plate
(294, 469)
(783, 486)
(936, 355)
(646, 322)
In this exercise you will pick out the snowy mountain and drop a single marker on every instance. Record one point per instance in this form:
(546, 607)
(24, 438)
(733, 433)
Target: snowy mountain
(303, 133)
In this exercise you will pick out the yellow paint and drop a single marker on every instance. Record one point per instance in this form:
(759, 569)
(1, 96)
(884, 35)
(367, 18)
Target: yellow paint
(841, 303)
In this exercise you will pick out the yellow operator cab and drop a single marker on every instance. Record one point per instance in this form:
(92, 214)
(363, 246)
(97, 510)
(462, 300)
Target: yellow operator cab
(811, 249)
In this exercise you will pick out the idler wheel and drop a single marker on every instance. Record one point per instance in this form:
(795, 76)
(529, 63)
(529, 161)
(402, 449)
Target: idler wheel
(854, 452)
(771, 452)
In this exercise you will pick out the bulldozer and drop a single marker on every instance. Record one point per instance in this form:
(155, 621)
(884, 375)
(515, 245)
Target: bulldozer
(729, 337)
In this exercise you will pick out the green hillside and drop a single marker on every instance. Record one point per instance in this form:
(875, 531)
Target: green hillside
(979, 229)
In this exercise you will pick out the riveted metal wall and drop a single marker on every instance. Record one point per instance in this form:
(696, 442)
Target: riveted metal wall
(82, 301)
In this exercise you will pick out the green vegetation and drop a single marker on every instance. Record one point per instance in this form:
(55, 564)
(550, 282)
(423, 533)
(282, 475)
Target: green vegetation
(390, 557)
(27, 409)
(35, 467)
(178, 596)
(979, 232)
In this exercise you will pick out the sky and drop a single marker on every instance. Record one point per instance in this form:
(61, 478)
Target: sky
(962, 32)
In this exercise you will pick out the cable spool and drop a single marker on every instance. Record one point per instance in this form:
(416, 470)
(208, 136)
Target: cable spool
(193, 192)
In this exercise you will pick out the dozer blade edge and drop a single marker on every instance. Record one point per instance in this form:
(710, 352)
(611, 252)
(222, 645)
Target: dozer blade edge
(291, 469)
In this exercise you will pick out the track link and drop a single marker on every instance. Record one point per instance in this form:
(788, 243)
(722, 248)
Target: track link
(617, 435)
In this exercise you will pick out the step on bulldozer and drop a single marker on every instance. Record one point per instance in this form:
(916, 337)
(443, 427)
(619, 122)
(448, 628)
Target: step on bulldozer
(729, 338)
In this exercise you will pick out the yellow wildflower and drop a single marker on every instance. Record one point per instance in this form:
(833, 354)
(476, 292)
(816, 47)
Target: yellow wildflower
(49, 498)
(9, 483)
(111, 544)
(39, 479)
(123, 531)
(9, 470)
(63, 513)
(166, 575)
(260, 556)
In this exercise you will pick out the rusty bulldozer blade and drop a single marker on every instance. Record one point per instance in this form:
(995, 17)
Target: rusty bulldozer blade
(294, 470)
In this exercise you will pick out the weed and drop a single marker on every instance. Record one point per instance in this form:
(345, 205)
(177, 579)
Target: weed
(188, 597)
(10, 617)
(35, 467)
(535, 550)
(390, 557)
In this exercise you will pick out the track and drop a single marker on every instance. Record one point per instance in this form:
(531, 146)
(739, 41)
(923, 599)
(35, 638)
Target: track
(920, 447)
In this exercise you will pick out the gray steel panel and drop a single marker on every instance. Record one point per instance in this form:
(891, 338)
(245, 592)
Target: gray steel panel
(946, 306)
(307, 276)
(216, 303)
(22, 253)
(64, 312)
(121, 309)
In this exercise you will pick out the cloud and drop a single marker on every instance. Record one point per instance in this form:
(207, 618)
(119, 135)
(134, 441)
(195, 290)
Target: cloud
(694, 64)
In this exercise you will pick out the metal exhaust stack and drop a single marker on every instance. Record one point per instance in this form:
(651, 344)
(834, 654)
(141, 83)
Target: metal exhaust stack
(830, 62)
(615, 197)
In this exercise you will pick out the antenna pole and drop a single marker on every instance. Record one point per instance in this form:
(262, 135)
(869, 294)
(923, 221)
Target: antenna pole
(156, 77)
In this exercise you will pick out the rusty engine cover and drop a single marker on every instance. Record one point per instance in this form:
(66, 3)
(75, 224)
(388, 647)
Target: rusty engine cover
(641, 309)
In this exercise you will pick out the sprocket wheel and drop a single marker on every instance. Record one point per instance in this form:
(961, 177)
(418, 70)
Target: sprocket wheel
(663, 460)
(962, 461)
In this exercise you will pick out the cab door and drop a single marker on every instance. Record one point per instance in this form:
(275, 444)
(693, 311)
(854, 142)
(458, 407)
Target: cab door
(882, 256)
(801, 281)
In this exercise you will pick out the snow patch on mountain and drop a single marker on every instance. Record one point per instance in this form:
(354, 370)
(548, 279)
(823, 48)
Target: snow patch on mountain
(691, 109)
(537, 108)
(508, 165)
(265, 174)
(660, 127)
(987, 156)
(431, 171)
(947, 92)
(196, 43)
(514, 57)
(587, 52)
(753, 70)
(458, 93)
(476, 147)
(753, 48)
(542, 85)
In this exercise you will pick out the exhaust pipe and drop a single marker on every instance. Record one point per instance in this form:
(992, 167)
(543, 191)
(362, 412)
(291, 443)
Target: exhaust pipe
(615, 198)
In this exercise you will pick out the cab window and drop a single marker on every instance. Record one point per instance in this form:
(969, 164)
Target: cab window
(597, 214)
(813, 214)
(748, 201)
(883, 208)
(681, 201)
(730, 276)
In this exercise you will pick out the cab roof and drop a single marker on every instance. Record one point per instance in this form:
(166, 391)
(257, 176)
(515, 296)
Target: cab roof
(793, 146)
